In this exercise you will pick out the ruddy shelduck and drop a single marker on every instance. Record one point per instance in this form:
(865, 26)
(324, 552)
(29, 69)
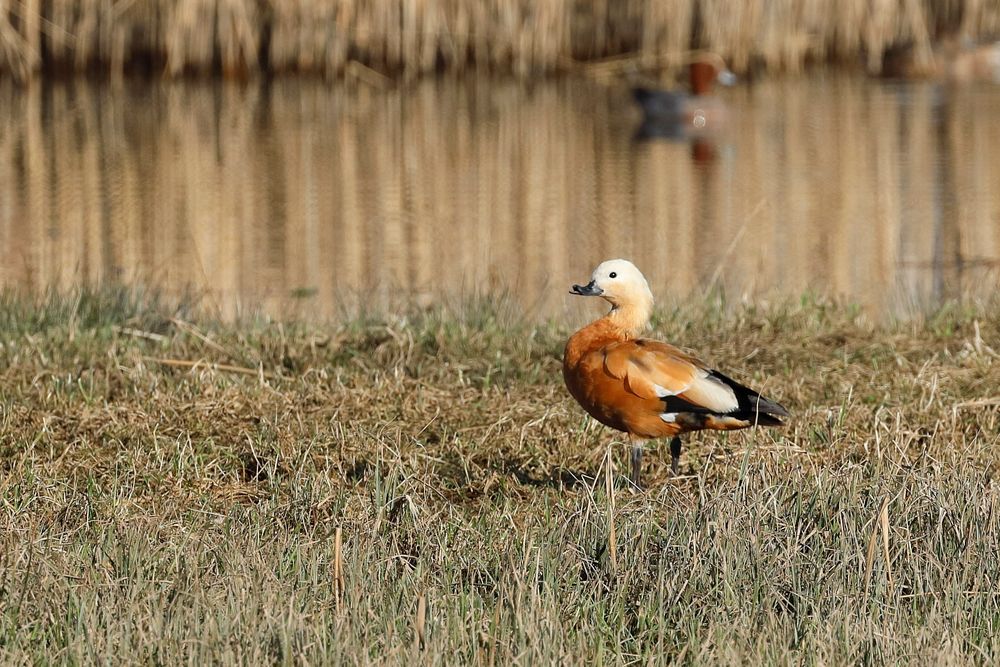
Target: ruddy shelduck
(647, 388)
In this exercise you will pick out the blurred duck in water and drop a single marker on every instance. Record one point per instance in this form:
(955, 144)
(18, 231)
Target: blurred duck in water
(676, 114)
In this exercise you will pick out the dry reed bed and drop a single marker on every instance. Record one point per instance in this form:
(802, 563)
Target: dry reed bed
(420, 482)
(834, 183)
(345, 37)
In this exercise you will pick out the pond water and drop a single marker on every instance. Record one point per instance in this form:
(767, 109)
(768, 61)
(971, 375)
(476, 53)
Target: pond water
(300, 195)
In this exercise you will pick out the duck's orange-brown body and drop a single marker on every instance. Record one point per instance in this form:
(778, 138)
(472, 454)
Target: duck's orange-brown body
(603, 395)
(650, 389)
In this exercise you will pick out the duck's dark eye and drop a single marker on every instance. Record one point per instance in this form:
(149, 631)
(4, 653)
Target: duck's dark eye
(613, 275)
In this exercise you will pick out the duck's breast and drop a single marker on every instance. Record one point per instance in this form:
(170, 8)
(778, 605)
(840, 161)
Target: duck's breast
(606, 398)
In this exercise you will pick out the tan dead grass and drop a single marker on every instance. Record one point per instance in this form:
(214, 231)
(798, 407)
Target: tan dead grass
(421, 483)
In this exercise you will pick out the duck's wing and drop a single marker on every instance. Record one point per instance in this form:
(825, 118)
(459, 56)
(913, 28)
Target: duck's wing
(651, 369)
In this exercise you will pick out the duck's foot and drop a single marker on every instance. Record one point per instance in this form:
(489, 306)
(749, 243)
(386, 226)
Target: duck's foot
(675, 456)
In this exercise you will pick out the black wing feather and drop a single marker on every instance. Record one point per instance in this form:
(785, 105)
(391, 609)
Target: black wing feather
(751, 404)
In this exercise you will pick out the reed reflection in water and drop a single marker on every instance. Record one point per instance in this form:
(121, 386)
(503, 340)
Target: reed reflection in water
(298, 195)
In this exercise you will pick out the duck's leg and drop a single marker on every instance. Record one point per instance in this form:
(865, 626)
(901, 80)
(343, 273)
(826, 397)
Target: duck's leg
(675, 455)
(636, 460)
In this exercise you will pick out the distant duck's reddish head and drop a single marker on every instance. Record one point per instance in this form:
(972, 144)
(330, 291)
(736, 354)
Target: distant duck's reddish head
(706, 71)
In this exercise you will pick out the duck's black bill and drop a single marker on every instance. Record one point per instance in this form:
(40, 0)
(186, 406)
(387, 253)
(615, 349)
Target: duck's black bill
(590, 289)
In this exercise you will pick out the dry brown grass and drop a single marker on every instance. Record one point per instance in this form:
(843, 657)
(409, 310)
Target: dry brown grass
(337, 38)
(421, 482)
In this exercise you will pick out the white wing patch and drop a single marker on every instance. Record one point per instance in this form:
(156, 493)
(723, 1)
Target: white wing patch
(669, 417)
(715, 395)
(663, 392)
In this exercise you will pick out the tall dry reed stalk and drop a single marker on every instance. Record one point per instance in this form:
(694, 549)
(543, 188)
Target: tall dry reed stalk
(337, 38)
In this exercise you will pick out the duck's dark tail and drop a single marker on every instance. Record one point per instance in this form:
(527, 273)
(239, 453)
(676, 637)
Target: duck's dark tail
(753, 407)
(658, 104)
(641, 94)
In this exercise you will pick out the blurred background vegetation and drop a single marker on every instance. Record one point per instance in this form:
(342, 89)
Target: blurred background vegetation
(409, 38)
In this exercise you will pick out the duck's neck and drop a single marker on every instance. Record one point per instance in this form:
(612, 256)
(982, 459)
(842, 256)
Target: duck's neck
(631, 319)
(702, 75)
(622, 323)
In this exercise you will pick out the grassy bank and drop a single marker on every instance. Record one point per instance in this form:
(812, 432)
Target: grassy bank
(364, 39)
(176, 488)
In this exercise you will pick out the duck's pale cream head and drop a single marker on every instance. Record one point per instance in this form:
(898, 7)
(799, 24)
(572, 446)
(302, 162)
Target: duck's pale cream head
(621, 284)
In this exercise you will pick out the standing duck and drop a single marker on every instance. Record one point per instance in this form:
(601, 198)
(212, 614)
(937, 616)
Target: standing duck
(644, 387)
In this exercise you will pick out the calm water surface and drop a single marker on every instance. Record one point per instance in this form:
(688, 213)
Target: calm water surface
(306, 197)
